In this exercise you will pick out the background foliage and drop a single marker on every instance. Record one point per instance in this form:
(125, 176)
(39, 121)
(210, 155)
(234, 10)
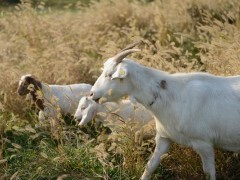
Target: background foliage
(64, 42)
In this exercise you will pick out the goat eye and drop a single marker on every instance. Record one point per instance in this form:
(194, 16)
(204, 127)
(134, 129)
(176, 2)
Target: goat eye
(108, 76)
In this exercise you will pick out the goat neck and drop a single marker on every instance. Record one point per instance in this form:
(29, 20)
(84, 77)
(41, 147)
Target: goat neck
(37, 87)
(150, 88)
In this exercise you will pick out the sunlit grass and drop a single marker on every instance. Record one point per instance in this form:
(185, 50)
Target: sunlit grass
(65, 46)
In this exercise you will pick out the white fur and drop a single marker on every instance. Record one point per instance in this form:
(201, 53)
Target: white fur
(198, 110)
(117, 113)
(124, 109)
(60, 98)
(67, 96)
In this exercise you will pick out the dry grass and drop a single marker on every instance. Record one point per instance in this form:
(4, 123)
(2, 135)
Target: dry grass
(67, 46)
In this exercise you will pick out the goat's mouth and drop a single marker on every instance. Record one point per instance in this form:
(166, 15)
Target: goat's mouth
(20, 93)
(97, 100)
(78, 119)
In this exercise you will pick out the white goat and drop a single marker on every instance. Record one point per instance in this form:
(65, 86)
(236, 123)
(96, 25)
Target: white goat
(50, 98)
(110, 111)
(125, 109)
(198, 110)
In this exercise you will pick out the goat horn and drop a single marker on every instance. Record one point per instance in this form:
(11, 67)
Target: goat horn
(119, 57)
(130, 46)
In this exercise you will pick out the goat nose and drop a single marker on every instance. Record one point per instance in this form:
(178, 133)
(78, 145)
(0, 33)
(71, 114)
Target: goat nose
(91, 94)
(77, 118)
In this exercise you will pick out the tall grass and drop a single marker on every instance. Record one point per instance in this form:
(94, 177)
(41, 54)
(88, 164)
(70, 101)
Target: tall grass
(67, 46)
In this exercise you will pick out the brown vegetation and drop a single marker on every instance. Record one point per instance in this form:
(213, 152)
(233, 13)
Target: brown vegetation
(67, 46)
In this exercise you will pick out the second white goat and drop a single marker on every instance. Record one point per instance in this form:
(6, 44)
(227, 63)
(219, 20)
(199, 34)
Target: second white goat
(117, 113)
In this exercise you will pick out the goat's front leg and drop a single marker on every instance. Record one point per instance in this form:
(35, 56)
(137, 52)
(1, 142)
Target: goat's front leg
(52, 114)
(162, 146)
(206, 153)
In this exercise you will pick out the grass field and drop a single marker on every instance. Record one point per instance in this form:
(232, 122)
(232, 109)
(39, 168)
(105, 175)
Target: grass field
(69, 44)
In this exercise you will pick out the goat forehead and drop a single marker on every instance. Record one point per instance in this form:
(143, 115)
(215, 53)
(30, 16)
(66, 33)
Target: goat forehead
(109, 65)
(84, 101)
(110, 62)
(20, 82)
(25, 76)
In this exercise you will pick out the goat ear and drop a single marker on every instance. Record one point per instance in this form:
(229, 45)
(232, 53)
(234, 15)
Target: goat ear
(120, 73)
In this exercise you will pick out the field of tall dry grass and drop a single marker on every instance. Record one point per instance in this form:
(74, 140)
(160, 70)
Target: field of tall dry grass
(62, 46)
